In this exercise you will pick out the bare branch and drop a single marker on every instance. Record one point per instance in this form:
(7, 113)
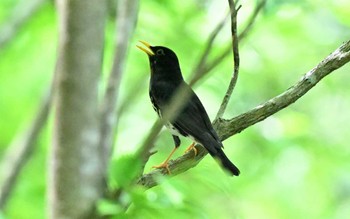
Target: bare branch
(20, 151)
(148, 143)
(252, 19)
(126, 22)
(235, 59)
(131, 96)
(198, 72)
(211, 65)
(334, 61)
(227, 128)
(20, 15)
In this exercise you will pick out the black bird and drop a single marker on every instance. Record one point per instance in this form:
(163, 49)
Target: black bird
(191, 120)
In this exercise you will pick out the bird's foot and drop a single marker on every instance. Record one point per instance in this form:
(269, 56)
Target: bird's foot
(163, 165)
(192, 147)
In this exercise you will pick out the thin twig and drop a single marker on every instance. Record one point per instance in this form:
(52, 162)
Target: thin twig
(252, 19)
(148, 143)
(198, 70)
(334, 61)
(246, 30)
(131, 95)
(21, 14)
(22, 147)
(20, 151)
(125, 21)
(227, 128)
(235, 59)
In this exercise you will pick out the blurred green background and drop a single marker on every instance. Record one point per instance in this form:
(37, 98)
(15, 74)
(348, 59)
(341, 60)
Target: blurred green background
(295, 164)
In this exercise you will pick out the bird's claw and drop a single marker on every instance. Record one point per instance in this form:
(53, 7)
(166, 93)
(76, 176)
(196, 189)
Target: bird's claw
(192, 147)
(163, 165)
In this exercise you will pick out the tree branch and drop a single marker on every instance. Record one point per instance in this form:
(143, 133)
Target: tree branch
(235, 42)
(131, 95)
(252, 19)
(198, 72)
(20, 15)
(337, 59)
(20, 151)
(125, 26)
(227, 128)
(205, 69)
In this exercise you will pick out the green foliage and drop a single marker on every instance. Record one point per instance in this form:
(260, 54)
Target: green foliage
(294, 164)
(107, 208)
(123, 170)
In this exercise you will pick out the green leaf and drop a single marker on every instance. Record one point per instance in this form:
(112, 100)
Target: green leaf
(123, 170)
(108, 208)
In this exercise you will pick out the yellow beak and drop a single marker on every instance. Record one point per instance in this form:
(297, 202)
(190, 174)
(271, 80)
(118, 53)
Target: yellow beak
(147, 50)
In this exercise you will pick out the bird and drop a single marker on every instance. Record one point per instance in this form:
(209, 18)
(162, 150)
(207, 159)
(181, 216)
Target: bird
(191, 119)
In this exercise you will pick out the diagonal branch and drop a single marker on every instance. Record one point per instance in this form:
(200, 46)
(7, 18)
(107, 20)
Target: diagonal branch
(334, 61)
(252, 19)
(246, 30)
(131, 96)
(198, 71)
(20, 15)
(20, 151)
(126, 22)
(234, 78)
(227, 128)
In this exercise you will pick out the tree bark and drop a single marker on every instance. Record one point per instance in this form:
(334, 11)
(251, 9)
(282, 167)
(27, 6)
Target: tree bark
(75, 168)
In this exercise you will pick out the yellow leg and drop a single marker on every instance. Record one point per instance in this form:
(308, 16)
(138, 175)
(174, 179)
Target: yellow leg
(165, 163)
(192, 147)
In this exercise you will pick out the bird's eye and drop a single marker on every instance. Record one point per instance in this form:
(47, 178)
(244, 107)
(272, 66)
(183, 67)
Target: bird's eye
(160, 52)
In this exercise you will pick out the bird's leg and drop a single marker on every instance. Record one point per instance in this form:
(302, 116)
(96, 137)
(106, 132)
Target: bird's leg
(192, 147)
(165, 163)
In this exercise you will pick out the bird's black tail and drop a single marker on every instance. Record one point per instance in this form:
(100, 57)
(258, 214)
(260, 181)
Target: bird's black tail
(225, 162)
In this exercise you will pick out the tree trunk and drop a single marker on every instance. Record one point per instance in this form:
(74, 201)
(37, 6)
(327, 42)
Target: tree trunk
(75, 166)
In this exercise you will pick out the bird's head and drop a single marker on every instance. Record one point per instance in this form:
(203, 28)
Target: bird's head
(162, 59)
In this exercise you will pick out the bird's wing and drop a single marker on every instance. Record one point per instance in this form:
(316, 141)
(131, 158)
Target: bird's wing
(160, 94)
(193, 120)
